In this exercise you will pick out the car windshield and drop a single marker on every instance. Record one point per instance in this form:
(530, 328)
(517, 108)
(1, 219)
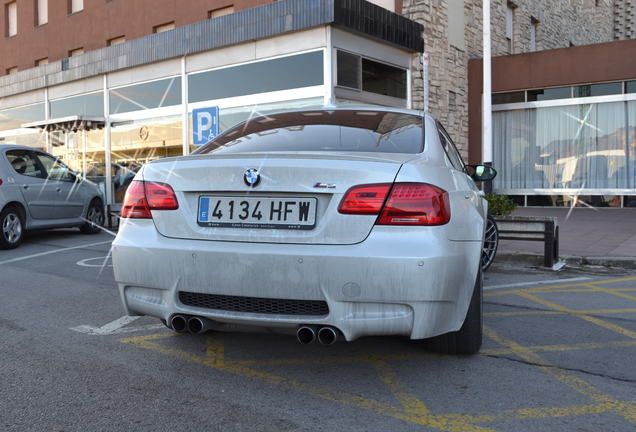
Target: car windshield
(340, 130)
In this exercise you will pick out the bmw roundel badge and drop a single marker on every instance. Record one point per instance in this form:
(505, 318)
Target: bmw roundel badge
(251, 177)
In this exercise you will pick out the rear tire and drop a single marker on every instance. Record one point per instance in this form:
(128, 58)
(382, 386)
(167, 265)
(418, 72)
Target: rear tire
(94, 217)
(11, 227)
(467, 340)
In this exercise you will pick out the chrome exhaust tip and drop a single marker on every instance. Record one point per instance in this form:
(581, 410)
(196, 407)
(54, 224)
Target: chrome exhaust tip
(327, 335)
(198, 325)
(179, 323)
(305, 335)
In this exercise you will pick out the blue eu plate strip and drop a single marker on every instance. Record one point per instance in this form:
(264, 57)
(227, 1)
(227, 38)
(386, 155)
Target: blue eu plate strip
(204, 208)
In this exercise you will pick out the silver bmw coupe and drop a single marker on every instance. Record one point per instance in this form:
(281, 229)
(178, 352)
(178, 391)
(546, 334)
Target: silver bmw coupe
(328, 224)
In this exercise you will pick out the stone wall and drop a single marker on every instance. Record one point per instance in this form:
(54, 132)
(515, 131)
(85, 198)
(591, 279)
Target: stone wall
(624, 19)
(560, 23)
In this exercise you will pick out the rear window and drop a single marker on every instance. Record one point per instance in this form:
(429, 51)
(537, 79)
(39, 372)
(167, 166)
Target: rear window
(340, 130)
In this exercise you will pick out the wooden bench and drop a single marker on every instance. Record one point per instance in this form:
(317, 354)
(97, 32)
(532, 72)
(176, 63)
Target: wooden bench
(532, 228)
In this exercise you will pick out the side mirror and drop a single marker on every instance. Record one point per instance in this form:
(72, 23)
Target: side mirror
(481, 172)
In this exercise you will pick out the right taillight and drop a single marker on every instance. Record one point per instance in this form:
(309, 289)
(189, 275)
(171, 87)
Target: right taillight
(415, 204)
(141, 197)
(406, 204)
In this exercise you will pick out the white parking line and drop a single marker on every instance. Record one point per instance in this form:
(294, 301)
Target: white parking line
(12, 260)
(101, 262)
(115, 327)
(540, 282)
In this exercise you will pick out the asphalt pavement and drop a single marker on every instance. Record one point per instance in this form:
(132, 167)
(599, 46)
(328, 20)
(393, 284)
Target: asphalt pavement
(558, 355)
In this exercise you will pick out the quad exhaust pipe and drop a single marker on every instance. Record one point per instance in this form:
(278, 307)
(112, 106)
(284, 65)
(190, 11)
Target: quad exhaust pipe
(308, 334)
(197, 325)
(193, 324)
(327, 335)
(179, 323)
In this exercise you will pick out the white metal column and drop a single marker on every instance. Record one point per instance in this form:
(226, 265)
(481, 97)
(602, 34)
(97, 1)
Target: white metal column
(185, 136)
(486, 141)
(47, 116)
(108, 185)
(329, 70)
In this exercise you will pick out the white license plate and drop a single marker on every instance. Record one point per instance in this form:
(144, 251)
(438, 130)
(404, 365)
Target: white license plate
(253, 212)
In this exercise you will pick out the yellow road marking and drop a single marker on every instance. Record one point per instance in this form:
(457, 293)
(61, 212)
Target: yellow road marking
(627, 411)
(536, 413)
(553, 312)
(563, 348)
(599, 322)
(389, 377)
(414, 412)
(552, 287)
(613, 292)
(413, 409)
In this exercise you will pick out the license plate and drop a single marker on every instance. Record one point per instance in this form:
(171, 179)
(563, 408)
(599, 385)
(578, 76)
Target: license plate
(253, 212)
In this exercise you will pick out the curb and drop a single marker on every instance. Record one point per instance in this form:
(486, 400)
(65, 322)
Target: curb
(571, 261)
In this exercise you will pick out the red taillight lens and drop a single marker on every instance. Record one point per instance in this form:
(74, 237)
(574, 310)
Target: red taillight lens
(160, 196)
(141, 197)
(364, 199)
(416, 204)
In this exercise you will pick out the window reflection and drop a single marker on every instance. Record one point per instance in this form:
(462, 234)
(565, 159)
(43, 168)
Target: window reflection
(138, 142)
(581, 147)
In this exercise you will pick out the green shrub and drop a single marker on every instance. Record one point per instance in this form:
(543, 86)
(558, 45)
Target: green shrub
(500, 205)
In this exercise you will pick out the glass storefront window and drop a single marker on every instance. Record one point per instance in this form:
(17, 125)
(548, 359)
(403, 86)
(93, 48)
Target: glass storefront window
(383, 79)
(630, 87)
(348, 70)
(36, 140)
(580, 147)
(88, 105)
(303, 70)
(14, 118)
(356, 72)
(83, 152)
(598, 89)
(155, 94)
(549, 94)
(506, 98)
(137, 142)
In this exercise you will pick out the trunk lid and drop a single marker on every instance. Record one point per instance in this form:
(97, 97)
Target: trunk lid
(284, 178)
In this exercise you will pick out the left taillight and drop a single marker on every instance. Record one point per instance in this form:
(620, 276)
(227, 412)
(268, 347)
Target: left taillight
(142, 197)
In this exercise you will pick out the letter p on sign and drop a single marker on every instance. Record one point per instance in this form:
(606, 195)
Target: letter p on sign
(205, 125)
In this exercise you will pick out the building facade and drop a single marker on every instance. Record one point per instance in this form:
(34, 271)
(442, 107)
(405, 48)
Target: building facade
(109, 110)
(453, 35)
(108, 85)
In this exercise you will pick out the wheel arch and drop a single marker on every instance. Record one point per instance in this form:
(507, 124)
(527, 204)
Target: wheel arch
(18, 205)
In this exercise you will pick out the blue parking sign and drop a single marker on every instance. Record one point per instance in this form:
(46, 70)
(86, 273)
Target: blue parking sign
(205, 125)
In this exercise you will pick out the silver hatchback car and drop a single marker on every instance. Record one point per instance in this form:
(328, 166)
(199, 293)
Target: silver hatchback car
(328, 224)
(37, 191)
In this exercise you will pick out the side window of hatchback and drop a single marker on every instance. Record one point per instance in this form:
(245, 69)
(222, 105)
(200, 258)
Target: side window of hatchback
(55, 169)
(24, 163)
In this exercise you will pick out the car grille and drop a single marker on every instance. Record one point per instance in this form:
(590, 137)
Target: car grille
(254, 304)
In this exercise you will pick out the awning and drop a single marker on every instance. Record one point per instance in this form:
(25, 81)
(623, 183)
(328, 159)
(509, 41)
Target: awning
(68, 124)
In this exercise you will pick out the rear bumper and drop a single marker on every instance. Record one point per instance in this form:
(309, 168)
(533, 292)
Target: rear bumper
(411, 282)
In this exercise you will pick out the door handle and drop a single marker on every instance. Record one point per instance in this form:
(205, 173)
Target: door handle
(58, 189)
(25, 187)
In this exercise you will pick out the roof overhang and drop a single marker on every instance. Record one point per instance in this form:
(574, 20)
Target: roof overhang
(68, 124)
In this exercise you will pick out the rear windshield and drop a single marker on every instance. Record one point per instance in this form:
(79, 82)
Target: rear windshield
(341, 130)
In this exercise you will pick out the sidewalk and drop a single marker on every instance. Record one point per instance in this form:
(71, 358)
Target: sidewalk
(596, 235)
